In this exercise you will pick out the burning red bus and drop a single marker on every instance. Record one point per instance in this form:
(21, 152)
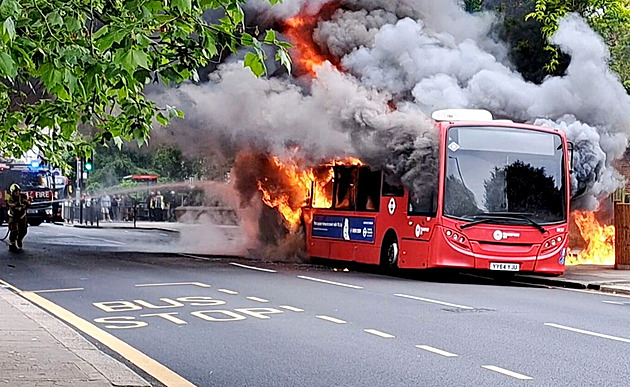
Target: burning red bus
(500, 202)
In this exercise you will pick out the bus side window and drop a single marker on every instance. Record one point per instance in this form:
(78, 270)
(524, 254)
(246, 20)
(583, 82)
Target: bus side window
(368, 195)
(392, 187)
(346, 188)
(423, 204)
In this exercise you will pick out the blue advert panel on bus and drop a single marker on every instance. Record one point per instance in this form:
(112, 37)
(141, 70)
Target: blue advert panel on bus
(346, 228)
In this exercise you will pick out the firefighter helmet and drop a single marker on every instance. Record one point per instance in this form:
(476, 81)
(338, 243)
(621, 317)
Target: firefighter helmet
(14, 187)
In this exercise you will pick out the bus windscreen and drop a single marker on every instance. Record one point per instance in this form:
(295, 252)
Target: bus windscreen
(499, 169)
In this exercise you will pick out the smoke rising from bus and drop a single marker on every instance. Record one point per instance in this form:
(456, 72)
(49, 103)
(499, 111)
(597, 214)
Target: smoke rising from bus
(395, 63)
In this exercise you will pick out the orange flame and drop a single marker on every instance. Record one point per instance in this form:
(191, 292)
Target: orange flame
(600, 241)
(300, 30)
(289, 200)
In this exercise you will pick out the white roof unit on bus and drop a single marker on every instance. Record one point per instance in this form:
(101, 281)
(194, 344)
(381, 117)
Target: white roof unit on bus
(462, 115)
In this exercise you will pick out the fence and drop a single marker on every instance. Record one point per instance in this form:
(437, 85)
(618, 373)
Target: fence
(90, 212)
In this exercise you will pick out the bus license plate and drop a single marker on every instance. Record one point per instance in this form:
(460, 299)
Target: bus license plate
(504, 266)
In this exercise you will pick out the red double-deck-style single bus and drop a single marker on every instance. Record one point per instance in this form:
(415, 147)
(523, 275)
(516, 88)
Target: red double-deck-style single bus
(500, 201)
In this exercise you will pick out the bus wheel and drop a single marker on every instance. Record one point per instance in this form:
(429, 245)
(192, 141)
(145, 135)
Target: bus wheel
(389, 252)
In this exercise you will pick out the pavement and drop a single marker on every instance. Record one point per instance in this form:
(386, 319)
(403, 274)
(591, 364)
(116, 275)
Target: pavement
(594, 277)
(37, 349)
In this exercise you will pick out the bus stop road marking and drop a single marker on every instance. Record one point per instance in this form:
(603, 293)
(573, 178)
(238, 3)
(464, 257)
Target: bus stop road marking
(253, 267)
(200, 284)
(437, 351)
(330, 282)
(57, 290)
(160, 372)
(379, 333)
(257, 299)
(331, 319)
(585, 332)
(507, 372)
(433, 301)
(291, 308)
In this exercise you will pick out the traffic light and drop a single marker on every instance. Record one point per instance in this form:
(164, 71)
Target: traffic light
(88, 165)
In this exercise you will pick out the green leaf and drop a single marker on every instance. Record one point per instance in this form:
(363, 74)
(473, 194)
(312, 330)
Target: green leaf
(255, 63)
(10, 8)
(54, 19)
(184, 6)
(282, 55)
(161, 119)
(270, 37)
(8, 29)
(133, 59)
(210, 43)
(110, 37)
(7, 65)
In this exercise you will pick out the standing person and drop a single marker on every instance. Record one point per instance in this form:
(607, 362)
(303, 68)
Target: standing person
(151, 206)
(106, 205)
(115, 207)
(172, 203)
(159, 207)
(127, 203)
(18, 225)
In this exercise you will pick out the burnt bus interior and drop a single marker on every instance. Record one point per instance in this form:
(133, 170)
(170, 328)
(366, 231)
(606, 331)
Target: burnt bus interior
(360, 188)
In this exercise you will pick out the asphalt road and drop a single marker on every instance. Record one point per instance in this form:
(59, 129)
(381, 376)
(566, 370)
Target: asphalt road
(228, 322)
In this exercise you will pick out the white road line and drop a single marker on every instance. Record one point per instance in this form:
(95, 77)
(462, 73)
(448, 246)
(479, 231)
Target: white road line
(57, 290)
(379, 333)
(331, 319)
(226, 291)
(330, 282)
(436, 350)
(291, 308)
(507, 372)
(198, 257)
(200, 284)
(257, 299)
(577, 330)
(253, 267)
(614, 302)
(433, 301)
(99, 239)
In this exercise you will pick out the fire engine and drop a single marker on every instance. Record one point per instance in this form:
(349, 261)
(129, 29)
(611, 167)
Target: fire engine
(35, 181)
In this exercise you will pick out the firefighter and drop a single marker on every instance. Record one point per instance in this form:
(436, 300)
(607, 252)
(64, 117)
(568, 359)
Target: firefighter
(17, 203)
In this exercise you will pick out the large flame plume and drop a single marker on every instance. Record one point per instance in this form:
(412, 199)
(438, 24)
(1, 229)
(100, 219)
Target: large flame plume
(306, 53)
(288, 187)
(599, 238)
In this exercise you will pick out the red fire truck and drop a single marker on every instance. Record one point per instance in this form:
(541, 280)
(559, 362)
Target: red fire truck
(500, 202)
(36, 182)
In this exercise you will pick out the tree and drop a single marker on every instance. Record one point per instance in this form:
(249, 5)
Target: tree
(66, 63)
(473, 5)
(610, 18)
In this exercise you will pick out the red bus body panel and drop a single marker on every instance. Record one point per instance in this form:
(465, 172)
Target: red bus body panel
(424, 241)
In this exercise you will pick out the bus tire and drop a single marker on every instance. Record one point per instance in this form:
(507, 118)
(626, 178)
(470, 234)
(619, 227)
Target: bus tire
(390, 251)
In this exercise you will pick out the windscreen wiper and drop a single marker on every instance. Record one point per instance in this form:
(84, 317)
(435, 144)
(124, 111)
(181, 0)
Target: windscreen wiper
(487, 217)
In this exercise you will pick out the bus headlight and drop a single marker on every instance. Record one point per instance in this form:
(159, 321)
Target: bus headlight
(458, 239)
(552, 243)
